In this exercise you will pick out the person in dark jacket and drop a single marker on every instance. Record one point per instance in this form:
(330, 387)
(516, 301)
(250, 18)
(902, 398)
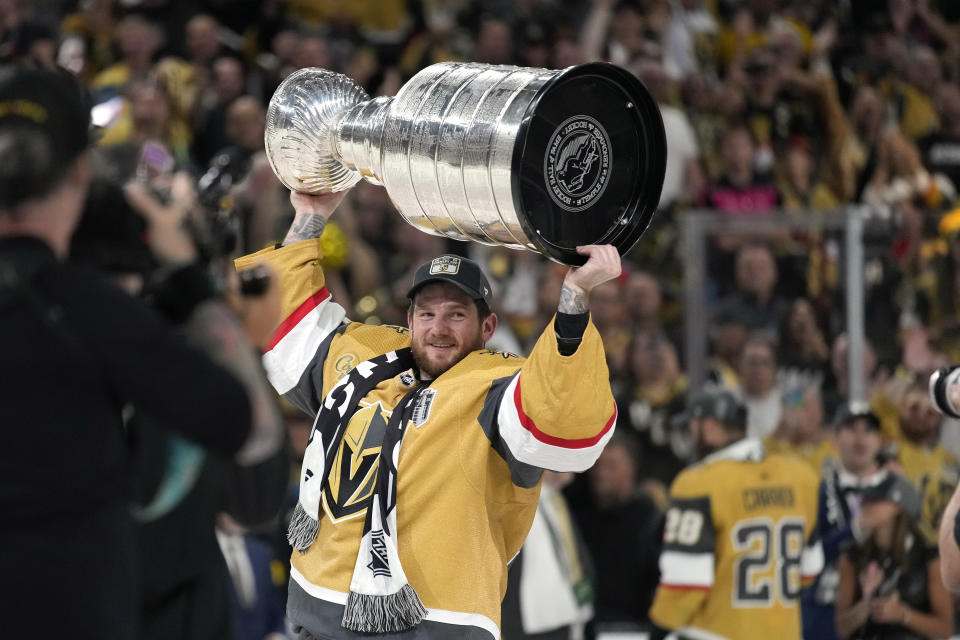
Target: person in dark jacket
(76, 350)
(178, 486)
(621, 529)
(840, 517)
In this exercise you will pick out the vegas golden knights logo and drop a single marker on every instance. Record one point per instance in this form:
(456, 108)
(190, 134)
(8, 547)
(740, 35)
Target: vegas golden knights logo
(445, 264)
(352, 476)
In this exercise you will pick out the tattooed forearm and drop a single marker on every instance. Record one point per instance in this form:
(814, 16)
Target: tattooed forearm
(572, 301)
(304, 227)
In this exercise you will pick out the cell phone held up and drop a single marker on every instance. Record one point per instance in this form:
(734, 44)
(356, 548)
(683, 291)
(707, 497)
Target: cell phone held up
(155, 169)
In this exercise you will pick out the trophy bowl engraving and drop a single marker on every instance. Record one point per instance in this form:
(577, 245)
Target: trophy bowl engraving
(535, 159)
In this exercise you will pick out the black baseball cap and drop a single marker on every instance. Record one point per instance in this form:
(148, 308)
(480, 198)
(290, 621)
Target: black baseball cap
(461, 272)
(50, 100)
(719, 404)
(898, 490)
(856, 411)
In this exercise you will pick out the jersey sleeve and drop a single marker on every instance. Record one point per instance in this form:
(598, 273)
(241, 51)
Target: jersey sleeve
(687, 559)
(314, 341)
(812, 559)
(557, 412)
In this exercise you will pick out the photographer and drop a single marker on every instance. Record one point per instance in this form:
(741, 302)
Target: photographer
(76, 352)
(888, 585)
(179, 486)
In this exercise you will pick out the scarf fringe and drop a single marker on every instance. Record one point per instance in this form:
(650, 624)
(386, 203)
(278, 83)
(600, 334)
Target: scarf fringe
(383, 614)
(302, 530)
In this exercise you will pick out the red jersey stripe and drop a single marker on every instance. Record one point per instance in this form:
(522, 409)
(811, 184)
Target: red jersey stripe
(566, 443)
(685, 587)
(298, 314)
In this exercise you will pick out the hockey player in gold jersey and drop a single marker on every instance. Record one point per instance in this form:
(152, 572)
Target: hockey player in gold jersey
(739, 539)
(422, 474)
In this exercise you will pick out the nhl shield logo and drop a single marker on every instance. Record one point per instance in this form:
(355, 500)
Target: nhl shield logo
(421, 410)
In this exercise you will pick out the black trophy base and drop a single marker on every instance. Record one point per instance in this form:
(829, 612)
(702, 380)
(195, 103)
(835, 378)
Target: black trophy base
(589, 162)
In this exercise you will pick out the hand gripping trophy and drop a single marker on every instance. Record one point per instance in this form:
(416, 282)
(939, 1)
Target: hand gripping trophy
(525, 158)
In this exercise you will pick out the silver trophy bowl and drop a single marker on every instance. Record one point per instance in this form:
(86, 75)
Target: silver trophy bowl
(524, 158)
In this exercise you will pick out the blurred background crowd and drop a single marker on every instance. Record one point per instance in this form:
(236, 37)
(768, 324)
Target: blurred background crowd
(773, 109)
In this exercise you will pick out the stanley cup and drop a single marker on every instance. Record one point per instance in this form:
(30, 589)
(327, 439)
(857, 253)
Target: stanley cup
(524, 158)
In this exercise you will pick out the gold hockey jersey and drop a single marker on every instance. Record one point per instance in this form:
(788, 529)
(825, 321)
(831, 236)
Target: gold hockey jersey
(739, 542)
(469, 465)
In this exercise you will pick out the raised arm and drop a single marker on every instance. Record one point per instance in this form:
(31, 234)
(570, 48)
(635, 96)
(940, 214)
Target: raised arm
(945, 393)
(311, 214)
(558, 412)
(949, 551)
(603, 264)
(313, 330)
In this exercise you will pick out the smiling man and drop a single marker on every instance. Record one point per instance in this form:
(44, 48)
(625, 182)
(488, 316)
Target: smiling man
(421, 478)
(449, 314)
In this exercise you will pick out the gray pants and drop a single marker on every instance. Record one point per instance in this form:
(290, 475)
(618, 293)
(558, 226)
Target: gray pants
(313, 619)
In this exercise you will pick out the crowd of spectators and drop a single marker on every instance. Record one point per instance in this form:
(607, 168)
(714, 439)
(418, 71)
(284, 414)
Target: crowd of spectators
(768, 105)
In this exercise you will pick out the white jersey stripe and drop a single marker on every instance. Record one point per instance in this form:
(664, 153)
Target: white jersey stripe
(693, 570)
(289, 358)
(694, 633)
(811, 562)
(526, 448)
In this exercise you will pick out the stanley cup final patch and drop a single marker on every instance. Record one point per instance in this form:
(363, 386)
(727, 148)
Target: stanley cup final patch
(576, 167)
(421, 410)
(444, 264)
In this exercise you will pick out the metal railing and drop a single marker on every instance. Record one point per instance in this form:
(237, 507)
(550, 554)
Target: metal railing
(698, 225)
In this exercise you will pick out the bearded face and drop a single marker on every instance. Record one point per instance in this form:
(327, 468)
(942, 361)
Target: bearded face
(445, 328)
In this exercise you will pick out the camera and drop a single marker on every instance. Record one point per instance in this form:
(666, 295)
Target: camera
(254, 282)
(941, 382)
(224, 171)
(218, 231)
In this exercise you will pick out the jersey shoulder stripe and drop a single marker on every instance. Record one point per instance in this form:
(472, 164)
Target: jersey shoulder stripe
(298, 314)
